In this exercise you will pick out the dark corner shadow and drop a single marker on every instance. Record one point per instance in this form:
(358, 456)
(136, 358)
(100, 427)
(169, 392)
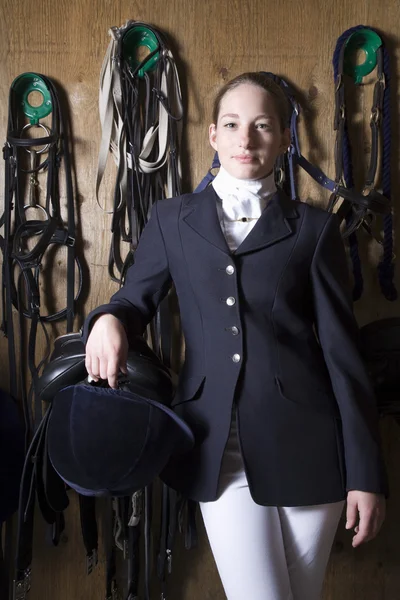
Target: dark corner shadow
(187, 82)
(78, 200)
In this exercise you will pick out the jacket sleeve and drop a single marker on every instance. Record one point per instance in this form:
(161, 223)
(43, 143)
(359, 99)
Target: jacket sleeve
(338, 335)
(147, 283)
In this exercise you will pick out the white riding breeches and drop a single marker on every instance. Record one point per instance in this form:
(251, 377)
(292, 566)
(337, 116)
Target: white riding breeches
(266, 552)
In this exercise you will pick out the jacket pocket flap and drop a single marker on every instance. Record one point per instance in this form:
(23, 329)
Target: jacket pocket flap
(317, 400)
(188, 389)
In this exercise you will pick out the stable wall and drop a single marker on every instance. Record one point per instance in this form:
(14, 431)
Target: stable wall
(212, 42)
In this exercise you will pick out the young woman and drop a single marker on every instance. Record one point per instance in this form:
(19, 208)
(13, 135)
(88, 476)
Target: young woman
(272, 385)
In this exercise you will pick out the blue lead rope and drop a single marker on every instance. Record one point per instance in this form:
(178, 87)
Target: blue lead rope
(205, 182)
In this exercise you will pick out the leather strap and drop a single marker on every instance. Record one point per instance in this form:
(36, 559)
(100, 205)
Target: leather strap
(24, 245)
(109, 547)
(52, 501)
(22, 261)
(87, 511)
(141, 120)
(6, 557)
(369, 199)
(169, 519)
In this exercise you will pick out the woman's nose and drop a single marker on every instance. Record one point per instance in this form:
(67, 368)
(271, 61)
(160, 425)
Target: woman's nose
(245, 138)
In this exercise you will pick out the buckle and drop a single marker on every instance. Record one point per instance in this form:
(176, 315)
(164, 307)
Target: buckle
(280, 174)
(375, 115)
(169, 560)
(91, 561)
(7, 152)
(136, 508)
(295, 106)
(22, 586)
(35, 305)
(70, 241)
(367, 189)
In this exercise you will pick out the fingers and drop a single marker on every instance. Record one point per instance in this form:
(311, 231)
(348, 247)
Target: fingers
(364, 531)
(105, 367)
(92, 367)
(106, 350)
(123, 366)
(370, 508)
(367, 530)
(111, 370)
(351, 514)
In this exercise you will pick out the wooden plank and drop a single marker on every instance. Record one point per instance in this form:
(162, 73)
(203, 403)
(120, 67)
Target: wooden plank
(212, 42)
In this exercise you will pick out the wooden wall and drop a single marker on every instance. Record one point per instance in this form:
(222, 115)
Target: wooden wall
(212, 42)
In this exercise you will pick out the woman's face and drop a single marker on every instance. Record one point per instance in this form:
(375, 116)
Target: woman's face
(248, 135)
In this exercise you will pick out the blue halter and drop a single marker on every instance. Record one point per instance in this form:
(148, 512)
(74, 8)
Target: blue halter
(358, 205)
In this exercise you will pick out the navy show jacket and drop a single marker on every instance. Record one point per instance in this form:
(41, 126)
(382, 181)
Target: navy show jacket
(269, 332)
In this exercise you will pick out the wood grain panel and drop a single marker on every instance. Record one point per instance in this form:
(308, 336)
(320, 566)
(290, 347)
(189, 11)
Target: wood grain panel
(212, 42)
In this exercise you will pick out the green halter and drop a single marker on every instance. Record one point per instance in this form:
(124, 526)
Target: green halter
(368, 41)
(24, 85)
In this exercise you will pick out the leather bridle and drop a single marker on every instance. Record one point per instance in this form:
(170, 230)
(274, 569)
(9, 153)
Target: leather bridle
(22, 264)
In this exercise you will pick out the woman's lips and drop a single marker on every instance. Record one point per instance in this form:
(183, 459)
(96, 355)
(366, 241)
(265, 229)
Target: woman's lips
(244, 158)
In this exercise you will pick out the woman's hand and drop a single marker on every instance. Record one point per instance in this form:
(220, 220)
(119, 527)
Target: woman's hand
(106, 349)
(371, 511)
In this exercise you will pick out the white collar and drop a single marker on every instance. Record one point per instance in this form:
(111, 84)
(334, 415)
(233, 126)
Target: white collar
(243, 197)
(224, 184)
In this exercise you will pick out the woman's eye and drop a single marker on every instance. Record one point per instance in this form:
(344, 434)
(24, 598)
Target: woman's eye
(229, 125)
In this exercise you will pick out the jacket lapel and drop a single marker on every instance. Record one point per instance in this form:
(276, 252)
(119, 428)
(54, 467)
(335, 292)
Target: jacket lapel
(273, 225)
(200, 213)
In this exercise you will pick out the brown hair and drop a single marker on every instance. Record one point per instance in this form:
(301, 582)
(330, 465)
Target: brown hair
(263, 81)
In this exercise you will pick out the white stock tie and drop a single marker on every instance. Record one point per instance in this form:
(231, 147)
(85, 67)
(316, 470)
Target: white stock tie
(242, 203)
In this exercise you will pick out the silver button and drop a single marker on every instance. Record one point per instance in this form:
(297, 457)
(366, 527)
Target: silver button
(230, 301)
(236, 358)
(230, 270)
(234, 330)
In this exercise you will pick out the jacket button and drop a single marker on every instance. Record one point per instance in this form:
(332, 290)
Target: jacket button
(236, 358)
(230, 301)
(230, 270)
(234, 330)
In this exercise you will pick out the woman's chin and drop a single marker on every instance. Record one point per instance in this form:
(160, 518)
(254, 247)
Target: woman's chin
(247, 170)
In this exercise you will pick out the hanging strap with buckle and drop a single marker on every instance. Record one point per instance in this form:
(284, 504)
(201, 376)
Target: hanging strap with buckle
(32, 227)
(379, 172)
(39, 482)
(141, 115)
(169, 520)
